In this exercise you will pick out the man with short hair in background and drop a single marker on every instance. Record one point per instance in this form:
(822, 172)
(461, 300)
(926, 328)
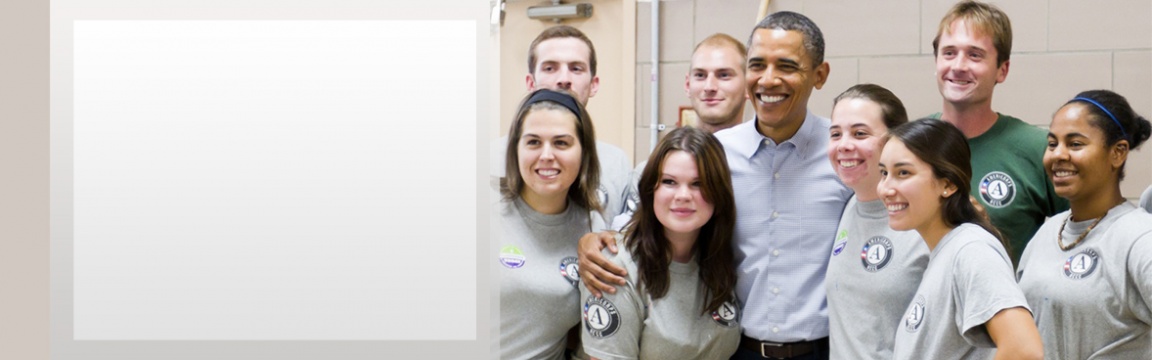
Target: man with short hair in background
(715, 82)
(972, 48)
(715, 88)
(563, 58)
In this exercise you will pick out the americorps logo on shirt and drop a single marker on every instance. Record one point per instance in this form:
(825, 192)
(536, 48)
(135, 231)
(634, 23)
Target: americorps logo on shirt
(1081, 265)
(726, 315)
(997, 189)
(601, 319)
(915, 316)
(876, 253)
(570, 270)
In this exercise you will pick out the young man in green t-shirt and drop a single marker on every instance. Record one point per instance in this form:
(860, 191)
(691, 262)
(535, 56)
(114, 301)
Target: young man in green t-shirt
(972, 48)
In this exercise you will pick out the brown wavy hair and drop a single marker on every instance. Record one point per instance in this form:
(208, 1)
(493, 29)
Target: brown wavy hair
(713, 248)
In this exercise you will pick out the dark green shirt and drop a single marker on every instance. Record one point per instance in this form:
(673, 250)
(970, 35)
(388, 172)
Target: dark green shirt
(1009, 180)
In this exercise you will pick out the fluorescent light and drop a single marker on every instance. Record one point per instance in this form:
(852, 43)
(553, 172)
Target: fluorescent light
(564, 11)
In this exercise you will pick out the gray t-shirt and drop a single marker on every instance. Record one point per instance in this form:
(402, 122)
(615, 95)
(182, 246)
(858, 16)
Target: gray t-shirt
(630, 325)
(968, 280)
(539, 299)
(872, 275)
(631, 198)
(1092, 301)
(1146, 199)
(615, 171)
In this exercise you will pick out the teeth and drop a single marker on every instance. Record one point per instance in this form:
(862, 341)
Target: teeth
(552, 172)
(1063, 173)
(771, 99)
(849, 163)
(896, 207)
(960, 82)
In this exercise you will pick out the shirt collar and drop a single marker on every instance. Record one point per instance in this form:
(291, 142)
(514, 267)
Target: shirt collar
(810, 132)
(750, 140)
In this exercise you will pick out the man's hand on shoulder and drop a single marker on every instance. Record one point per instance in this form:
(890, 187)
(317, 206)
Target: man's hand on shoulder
(597, 272)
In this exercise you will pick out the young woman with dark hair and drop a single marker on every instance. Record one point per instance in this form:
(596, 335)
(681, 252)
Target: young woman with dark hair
(549, 201)
(967, 305)
(1087, 273)
(871, 266)
(679, 301)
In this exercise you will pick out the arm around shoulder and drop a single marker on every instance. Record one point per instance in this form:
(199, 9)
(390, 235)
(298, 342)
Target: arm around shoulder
(597, 272)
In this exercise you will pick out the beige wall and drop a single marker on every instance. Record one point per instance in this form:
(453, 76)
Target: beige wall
(24, 275)
(612, 30)
(1061, 47)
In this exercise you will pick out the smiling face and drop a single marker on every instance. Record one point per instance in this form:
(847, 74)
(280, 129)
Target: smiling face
(678, 201)
(911, 191)
(1078, 160)
(779, 78)
(549, 157)
(854, 146)
(563, 64)
(715, 85)
(966, 69)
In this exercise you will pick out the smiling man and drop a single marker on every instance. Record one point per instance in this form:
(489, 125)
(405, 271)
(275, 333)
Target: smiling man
(715, 88)
(788, 199)
(715, 82)
(972, 48)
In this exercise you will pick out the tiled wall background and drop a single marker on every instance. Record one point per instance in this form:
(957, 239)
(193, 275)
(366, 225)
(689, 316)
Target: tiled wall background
(1060, 47)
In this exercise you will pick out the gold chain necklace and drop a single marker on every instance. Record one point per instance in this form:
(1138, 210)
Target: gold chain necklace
(1060, 235)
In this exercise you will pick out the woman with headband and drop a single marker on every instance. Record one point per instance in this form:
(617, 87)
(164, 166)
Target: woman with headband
(551, 177)
(871, 266)
(679, 302)
(1087, 273)
(967, 305)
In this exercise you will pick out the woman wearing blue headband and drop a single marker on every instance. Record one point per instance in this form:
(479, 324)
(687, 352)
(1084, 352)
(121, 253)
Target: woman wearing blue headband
(1087, 273)
(549, 200)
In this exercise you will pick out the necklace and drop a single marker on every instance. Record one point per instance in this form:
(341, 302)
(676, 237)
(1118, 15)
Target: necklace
(1060, 235)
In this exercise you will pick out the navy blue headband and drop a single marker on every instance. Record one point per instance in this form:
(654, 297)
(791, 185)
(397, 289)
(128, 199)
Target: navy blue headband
(563, 99)
(1109, 113)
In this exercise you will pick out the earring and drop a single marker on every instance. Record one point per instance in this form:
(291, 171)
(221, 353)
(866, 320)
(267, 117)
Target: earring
(945, 194)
